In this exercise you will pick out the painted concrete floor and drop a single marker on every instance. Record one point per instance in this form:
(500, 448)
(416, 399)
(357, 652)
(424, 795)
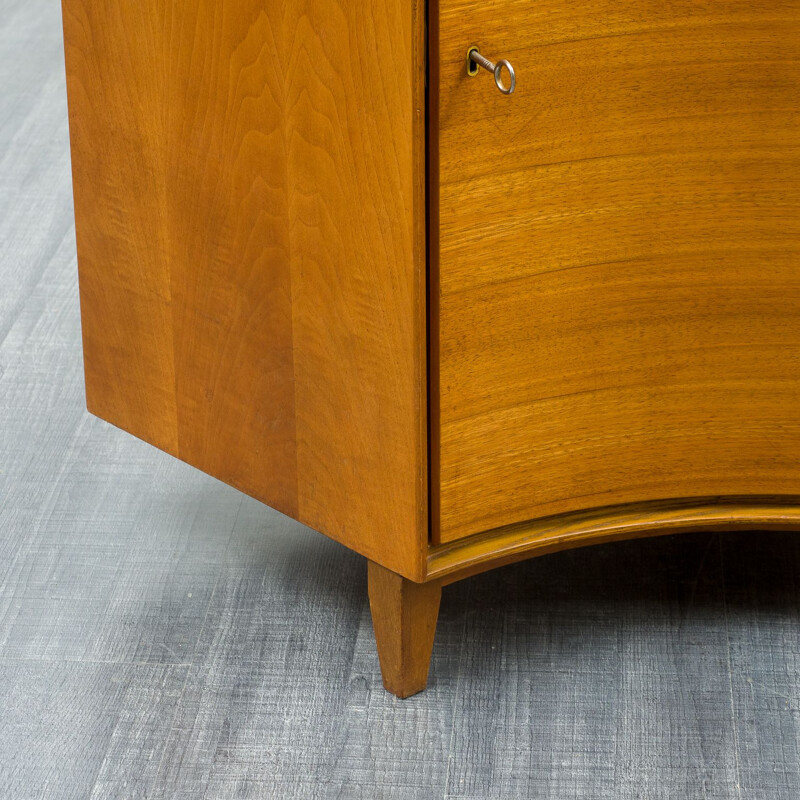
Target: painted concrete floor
(162, 636)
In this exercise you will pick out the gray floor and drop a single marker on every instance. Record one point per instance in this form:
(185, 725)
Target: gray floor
(162, 636)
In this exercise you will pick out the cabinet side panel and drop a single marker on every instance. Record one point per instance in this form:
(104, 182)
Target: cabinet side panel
(247, 180)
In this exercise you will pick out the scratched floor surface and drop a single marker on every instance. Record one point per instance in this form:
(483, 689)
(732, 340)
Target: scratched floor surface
(161, 636)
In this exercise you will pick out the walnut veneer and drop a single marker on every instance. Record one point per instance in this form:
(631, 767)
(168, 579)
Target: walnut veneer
(448, 327)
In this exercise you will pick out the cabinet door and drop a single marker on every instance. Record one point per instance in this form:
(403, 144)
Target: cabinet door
(616, 279)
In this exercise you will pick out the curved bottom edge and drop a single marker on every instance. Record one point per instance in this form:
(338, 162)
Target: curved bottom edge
(494, 548)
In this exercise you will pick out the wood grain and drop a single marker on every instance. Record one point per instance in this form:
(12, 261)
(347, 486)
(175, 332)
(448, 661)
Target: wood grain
(404, 618)
(618, 259)
(249, 193)
(462, 558)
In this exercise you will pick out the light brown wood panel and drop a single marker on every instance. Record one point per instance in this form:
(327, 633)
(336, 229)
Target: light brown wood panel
(249, 192)
(546, 336)
(617, 272)
(616, 79)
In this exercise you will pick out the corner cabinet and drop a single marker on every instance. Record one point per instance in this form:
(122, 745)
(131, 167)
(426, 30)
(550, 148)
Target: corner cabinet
(328, 256)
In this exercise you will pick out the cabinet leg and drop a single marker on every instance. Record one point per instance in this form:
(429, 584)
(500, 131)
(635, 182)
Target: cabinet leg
(404, 617)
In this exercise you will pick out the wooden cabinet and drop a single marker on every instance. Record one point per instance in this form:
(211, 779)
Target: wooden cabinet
(447, 326)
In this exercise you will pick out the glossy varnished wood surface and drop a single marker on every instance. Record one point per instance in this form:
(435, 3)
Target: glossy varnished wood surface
(617, 275)
(249, 192)
(469, 556)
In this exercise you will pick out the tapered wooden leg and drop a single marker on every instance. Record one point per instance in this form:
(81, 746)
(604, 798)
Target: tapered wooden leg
(404, 617)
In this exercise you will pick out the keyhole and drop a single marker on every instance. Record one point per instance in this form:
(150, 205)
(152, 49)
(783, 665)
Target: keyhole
(472, 66)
